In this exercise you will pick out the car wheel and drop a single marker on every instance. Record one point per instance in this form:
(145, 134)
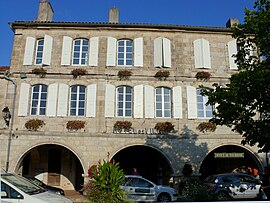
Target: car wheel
(164, 197)
(222, 195)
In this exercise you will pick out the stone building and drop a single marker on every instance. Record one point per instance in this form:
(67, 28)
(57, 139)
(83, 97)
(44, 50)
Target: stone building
(103, 74)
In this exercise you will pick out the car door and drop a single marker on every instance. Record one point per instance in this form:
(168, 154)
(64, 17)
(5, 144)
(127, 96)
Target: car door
(252, 186)
(139, 189)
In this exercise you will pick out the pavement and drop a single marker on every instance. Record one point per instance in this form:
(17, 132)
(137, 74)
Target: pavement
(75, 196)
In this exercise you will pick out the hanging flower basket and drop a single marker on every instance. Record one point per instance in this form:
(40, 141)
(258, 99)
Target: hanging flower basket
(122, 125)
(34, 124)
(164, 127)
(75, 125)
(41, 72)
(206, 126)
(202, 75)
(162, 74)
(78, 72)
(124, 74)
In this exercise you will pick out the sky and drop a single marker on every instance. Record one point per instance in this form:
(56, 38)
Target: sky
(178, 12)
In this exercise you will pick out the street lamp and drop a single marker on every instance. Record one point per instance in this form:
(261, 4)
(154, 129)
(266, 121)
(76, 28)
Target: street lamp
(9, 117)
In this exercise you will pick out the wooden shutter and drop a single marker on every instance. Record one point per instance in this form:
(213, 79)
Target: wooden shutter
(158, 52)
(177, 102)
(138, 101)
(138, 52)
(232, 49)
(62, 105)
(52, 99)
(202, 54)
(166, 53)
(192, 102)
(24, 99)
(29, 51)
(47, 50)
(109, 100)
(111, 51)
(206, 54)
(149, 101)
(66, 51)
(91, 100)
(93, 51)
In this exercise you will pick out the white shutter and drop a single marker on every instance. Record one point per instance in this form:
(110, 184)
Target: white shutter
(62, 105)
(66, 51)
(149, 101)
(93, 51)
(91, 100)
(52, 99)
(138, 52)
(177, 102)
(138, 101)
(24, 99)
(109, 100)
(206, 54)
(158, 52)
(47, 50)
(192, 102)
(232, 49)
(29, 51)
(198, 56)
(167, 53)
(111, 51)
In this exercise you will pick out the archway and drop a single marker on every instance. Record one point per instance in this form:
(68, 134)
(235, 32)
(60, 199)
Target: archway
(227, 158)
(53, 164)
(149, 161)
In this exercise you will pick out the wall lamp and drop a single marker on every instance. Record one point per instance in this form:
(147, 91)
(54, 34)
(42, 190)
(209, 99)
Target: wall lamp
(6, 115)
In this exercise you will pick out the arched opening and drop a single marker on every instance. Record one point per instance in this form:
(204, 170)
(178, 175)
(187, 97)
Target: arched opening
(53, 164)
(148, 161)
(227, 158)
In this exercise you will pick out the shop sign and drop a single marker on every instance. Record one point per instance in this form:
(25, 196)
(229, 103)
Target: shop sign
(228, 155)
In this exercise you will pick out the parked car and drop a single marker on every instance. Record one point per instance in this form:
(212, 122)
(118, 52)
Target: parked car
(138, 188)
(49, 188)
(15, 188)
(235, 186)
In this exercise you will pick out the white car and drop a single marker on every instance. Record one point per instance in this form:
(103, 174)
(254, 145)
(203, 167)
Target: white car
(138, 188)
(15, 188)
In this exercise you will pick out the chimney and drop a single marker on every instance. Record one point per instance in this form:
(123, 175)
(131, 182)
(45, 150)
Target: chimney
(45, 11)
(113, 15)
(232, 22)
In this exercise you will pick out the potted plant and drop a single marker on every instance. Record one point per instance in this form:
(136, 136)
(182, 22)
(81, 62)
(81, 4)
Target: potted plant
(203, 75)
(78, 72)
(162, 74)
(75, 125)
(164, 127)
(206, 126)
(122, 125)
(39, 71)
(124, 74)
(34, 124)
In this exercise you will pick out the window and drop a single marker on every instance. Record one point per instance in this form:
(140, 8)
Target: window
(39, 51)
(80, 52)
(39, 98)
(125, 53)
(163, 102)
(124, 101)
(77, 100)
(204, 111)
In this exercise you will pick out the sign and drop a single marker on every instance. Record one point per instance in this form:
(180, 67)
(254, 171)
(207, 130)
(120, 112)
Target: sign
(229, 155)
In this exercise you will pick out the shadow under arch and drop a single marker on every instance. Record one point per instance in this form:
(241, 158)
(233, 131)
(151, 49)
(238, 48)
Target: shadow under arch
(227, 157)
(148, 160)
(55, 164)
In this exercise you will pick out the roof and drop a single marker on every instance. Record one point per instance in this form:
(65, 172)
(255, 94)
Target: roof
(17, 24)
(4, 68)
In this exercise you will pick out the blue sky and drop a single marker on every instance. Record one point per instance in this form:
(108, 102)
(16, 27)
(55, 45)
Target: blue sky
(180, 12)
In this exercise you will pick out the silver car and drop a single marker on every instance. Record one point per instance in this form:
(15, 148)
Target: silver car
(138, 188)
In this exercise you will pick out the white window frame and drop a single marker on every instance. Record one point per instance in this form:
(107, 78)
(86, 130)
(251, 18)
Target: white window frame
(125, 52)
(77, 100)
(38, 45)
(124, 101)
(202, 103)
(163, 102)
(39, 100)
(81, 52)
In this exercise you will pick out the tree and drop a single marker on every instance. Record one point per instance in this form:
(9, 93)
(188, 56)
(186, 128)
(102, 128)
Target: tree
(244, 103)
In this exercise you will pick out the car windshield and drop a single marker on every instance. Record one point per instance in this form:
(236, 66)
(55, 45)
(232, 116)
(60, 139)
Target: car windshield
(22, 184)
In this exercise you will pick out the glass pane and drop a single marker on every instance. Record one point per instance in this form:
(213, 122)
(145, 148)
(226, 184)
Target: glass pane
(158, 91)
(129, 43)
(40, 49)
(167, 113)
(76, 49)
(83, 62)
(72, 112)
(33, 111)
(129, 62)
(120, 43)
(159, 113)
(200, 114)
(200, 106)
(82, 97)
(85, 42)
(81, 112)
(39, 54)
(81, 104)
(209, 114)
(42, 111)
(121, 49)
(159, 106)
(120, 112)
(120, 97)
(77, 42)
(167, 105)
(75, 61)
(35, 96)
(128, 112)
(120, 55)
(129, 49)
(128, 97)
(128, 105)
(43, 103)
(128, 90)
(158, 98)
(199, 99)
(34, 103)
(120, 62)
(167, 98)
(120, 105)
(73, 104)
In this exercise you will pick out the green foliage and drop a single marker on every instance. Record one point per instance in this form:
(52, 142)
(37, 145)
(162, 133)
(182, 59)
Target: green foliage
(244, 104)
(104, 186)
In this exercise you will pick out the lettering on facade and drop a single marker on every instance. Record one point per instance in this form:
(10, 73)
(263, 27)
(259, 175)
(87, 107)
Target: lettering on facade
(148, 131)
(229, 155)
